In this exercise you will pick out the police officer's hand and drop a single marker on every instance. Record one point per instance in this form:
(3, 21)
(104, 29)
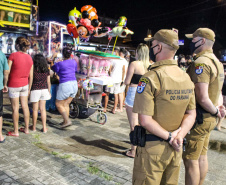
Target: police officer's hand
(174, 135)
(221, 113)
(177, 143)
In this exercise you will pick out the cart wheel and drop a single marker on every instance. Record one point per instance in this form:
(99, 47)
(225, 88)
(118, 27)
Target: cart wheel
(74, 110)
(101, 118)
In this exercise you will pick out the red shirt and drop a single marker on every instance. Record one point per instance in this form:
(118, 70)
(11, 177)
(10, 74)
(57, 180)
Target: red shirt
(20, 69)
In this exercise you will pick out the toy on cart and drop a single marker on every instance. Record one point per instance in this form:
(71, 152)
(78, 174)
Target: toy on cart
(92, 75)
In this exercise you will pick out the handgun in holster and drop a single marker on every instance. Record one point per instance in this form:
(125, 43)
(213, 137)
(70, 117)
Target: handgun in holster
(138, 136)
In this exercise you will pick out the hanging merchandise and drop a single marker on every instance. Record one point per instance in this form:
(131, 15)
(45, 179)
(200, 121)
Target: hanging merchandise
(85, 24)
(121, 30)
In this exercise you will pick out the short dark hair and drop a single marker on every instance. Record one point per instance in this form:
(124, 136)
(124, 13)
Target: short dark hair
(180, 57)
(40, 63)
(123, 51)
(188, 57)
(67, 51)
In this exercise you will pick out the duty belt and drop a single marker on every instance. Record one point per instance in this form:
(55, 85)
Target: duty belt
(151, 137)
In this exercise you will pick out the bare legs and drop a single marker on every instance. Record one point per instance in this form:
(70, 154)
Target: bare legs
(17, 16)
(2, 15)
(203, 168)
(15, 113)
(42, 106)
(34, 115)
(121, 100)
(196, 170)
(63, 108)
(115, 103)
(106, 98)
(133, 121)
(24, 104)
(218, 127)
(106, 102)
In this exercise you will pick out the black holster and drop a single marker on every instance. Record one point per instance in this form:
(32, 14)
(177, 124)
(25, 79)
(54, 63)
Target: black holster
(138, 136)
(199, 114)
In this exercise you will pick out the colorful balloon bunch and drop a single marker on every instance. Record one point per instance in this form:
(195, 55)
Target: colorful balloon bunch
(85, 24)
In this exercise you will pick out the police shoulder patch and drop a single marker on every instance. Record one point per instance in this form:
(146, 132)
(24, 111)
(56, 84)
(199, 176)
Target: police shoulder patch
(142, 84)
(199, 68)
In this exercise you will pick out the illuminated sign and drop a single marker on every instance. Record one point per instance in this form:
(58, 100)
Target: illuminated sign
(181, 42)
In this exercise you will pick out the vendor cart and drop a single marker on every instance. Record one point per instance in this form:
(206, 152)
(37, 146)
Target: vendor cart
(90, 90)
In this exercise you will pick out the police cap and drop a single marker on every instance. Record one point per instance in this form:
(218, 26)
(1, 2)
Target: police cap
(169, 37)
(203, 32)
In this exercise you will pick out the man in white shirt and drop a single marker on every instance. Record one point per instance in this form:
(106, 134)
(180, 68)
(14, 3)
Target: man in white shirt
(122, 54)
(115, 71)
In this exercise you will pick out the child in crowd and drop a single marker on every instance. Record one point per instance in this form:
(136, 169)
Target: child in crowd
(40, 91)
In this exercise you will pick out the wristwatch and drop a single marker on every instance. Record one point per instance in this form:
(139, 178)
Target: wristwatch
(215, 113)
(169, 138)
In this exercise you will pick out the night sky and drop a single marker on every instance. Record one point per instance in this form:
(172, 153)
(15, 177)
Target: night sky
(184, 15)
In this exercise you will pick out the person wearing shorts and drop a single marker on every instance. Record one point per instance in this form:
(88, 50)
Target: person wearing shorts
(115, 71)
(40, 90)
(19, 83)
(68, 86)
(135, 70)
(207, 73)
(121, 94)
(115, 89)
(4, 70)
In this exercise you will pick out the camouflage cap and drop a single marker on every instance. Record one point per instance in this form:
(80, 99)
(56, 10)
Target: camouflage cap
(203, 32)
(166, 36)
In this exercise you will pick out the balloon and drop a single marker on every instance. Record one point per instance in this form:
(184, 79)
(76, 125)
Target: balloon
(88, 84)
(72, 30)
(89, 12)
(86, 24)
(101, 32)
(122, 21)
(120, 29)
(74, 15)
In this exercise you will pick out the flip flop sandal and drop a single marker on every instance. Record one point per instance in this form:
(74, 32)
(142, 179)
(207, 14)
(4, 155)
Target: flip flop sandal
(45, 131)
(3, 141)
(67, 125)
(113, 112)
(23, 130)
(12, 134)
(126, 153)
(31, 128)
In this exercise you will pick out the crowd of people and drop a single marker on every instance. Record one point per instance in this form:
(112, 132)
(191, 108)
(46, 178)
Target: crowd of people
(26, 78)
(163, 103)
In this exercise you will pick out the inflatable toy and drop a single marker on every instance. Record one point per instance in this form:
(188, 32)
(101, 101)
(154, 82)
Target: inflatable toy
(120, 30)
(85, 24)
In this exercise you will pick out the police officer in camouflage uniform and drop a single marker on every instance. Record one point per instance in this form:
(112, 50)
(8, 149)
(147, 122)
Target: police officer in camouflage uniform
(165, 103)
(207, 73)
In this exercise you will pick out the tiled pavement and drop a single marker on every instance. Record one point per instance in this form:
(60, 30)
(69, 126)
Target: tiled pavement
(85, 153)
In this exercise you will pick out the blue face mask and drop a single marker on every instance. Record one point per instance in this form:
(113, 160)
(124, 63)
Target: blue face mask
(193, 47)
(152, 55)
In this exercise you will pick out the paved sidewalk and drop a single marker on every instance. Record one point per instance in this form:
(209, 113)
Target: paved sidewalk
(85, 153)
